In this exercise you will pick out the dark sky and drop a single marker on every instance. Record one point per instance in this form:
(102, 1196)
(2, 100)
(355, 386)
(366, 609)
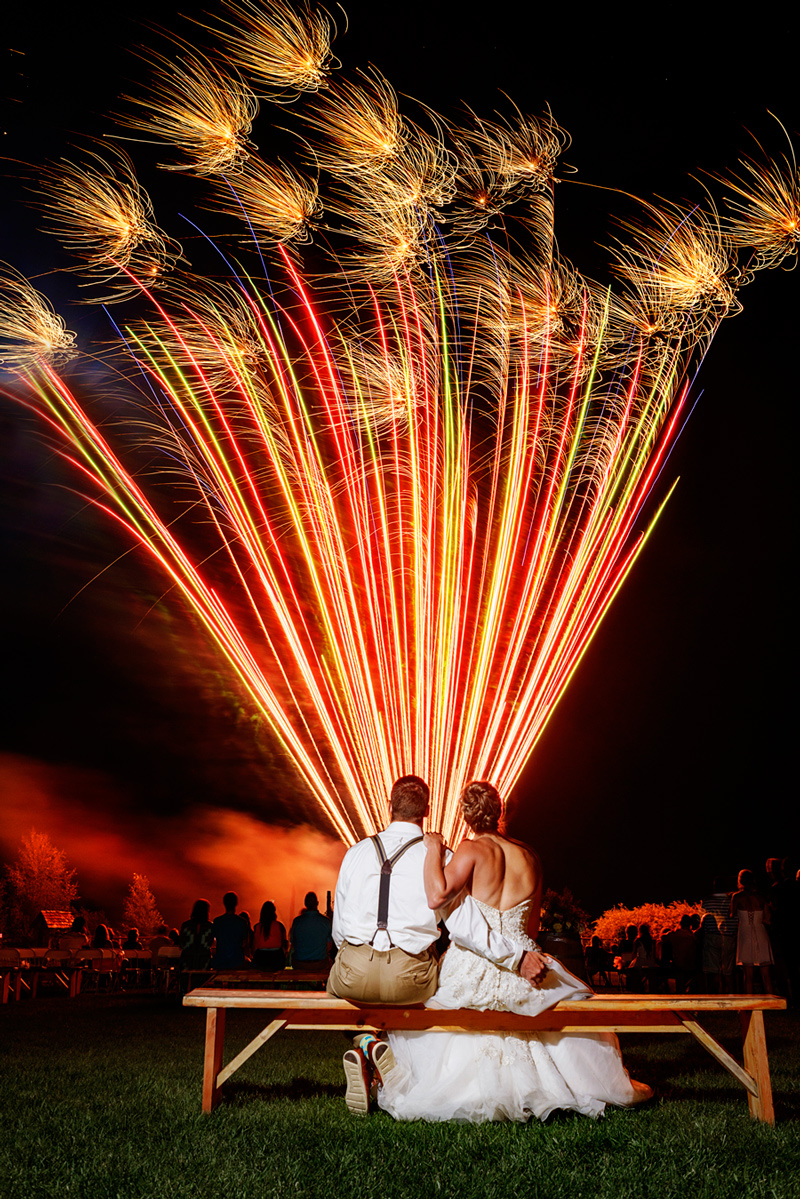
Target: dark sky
(668, 759)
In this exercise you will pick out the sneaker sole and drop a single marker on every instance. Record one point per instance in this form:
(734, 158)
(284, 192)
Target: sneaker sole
(384, 1061)
(357, 1094)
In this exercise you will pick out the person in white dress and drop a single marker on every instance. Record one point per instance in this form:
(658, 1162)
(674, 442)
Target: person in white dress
(753, 948)
(508, 1076)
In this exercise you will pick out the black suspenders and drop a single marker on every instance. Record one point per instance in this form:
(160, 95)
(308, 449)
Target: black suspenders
(386, 878)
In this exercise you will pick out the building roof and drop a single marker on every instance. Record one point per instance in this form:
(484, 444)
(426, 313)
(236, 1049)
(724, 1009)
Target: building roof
(54, 918)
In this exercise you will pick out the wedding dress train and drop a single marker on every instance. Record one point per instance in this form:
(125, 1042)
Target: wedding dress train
(504, 1076)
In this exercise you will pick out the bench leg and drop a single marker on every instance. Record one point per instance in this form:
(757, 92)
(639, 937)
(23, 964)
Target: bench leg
(756, 1063)
(212, 1063)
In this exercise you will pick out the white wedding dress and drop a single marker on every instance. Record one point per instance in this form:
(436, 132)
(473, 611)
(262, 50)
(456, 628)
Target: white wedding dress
(504, 1076)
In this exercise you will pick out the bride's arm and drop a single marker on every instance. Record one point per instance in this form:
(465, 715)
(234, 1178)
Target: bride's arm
(443, 882)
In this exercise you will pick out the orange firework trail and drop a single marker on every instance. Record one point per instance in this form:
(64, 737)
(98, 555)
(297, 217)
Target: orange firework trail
(427, 493)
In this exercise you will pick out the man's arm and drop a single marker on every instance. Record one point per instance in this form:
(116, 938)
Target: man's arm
(468, 928)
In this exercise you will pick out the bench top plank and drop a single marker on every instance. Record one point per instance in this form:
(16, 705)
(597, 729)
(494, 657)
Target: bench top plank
(210, 997)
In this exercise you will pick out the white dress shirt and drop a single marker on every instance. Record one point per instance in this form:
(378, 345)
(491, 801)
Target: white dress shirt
(412, 925)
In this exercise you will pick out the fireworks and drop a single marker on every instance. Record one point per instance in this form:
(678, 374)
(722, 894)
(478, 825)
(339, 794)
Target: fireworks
(30, 331)
(286, 50)
(412, 495)
(767, 210)
(204, 112)
(103, 217)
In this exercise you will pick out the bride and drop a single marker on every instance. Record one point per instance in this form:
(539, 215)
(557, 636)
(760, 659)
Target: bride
(498, 1076)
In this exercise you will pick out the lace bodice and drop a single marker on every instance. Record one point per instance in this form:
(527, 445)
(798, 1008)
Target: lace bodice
(513, 923)
(470, 981)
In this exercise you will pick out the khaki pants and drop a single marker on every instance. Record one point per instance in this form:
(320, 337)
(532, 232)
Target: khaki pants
(366, 975)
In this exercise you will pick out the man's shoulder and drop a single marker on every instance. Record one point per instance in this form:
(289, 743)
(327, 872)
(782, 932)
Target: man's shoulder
(360, 847)
(365, 846)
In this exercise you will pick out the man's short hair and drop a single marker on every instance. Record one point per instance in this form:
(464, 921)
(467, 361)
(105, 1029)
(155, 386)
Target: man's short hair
(229, 901)
(311, 900)
(409, 798)
(481, 807)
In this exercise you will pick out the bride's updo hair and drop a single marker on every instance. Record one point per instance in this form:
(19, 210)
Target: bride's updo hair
(481, 807)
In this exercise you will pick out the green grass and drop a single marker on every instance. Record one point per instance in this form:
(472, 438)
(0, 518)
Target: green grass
(100, 1097)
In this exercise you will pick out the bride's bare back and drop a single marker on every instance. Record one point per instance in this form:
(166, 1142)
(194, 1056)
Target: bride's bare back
(495, 870)
(504, 872)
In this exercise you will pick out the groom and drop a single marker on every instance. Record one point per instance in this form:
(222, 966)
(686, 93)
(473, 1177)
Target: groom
(384, 928)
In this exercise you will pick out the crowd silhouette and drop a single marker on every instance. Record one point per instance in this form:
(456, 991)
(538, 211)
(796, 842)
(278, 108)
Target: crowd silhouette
(743, 936)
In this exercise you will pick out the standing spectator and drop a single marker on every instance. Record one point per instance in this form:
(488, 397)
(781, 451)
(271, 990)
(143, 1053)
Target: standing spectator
(311, 937)
(753, 949)
(718, 945)
(598, 961)
(683, 955)
(625, 952)
(197, 937)
(269, 940)
(231, 934)
(644, 966)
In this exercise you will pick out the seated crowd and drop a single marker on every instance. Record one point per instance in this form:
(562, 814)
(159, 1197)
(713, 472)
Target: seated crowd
(230, 942)
(227, 942)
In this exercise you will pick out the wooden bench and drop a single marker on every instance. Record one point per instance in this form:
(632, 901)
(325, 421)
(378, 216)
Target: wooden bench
(601, 1013)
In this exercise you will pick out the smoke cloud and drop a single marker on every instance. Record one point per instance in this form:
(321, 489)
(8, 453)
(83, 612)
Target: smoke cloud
(198, 853)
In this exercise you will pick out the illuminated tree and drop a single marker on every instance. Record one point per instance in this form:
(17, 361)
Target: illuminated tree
(39, 879)
(139, 910)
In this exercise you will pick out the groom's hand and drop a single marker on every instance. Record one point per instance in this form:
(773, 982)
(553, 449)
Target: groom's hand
(533, 967)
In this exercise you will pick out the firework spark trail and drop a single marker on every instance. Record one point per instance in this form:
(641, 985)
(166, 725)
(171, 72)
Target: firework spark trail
(334, 479)
(421, 498)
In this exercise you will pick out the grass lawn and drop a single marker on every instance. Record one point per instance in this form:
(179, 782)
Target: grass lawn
(100, 1097)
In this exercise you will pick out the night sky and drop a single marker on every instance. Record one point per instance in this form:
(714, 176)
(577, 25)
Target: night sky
(668, 759)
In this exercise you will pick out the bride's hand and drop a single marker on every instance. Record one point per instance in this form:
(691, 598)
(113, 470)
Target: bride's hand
(433, 840)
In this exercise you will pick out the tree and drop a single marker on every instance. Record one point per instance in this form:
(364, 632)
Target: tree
(139, 910)
(40, 878)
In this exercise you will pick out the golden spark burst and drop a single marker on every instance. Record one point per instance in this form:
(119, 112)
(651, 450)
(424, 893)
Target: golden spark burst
(357, 128)
(680, 259)
(202, 111)
(280, 204)
(520, 151)
(390, 211)
(102, 216)
(766, 209)
(30, 329)
(383, 391)
(480, 195)
(285, 49)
